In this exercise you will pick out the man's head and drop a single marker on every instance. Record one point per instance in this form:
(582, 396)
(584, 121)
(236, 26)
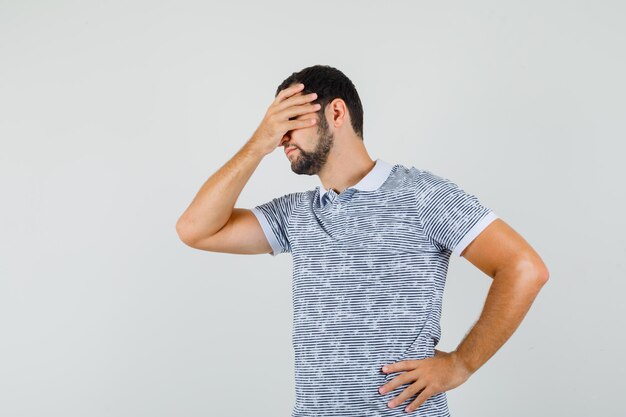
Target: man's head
(315, 143)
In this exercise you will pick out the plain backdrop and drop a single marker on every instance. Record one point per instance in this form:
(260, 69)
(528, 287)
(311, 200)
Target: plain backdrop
(113, 114)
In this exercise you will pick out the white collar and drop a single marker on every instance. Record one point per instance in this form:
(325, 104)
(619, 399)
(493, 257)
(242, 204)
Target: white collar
(371, 181)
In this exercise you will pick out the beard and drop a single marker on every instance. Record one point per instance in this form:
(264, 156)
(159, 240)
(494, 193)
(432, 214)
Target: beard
(310, 163)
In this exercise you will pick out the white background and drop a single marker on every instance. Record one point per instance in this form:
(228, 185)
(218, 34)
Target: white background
(113, 114)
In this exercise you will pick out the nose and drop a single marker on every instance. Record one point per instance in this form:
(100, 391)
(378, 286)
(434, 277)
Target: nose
(286, 138)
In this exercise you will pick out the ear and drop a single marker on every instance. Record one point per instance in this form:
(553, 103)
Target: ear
(339, 112)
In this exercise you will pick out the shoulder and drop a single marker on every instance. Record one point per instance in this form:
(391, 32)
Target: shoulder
(294, 197)
(288, 203)
(400, 179)
(422, 180)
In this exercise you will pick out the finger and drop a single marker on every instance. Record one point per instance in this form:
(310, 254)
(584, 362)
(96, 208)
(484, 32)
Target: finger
(421, 399)
(306, 124)
(409, 392)
(287, 92)
(300, 124)
(400, 366)
(295, 111)
(402, 379)
(294, 101)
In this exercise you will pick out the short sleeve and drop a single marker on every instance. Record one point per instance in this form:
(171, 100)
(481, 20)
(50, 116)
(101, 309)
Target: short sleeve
(450, 217)
(274, 217)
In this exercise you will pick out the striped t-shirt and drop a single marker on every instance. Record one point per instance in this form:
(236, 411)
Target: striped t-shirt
(369, 268)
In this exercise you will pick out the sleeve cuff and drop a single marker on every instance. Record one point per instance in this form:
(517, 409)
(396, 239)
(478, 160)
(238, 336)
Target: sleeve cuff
(473, 232)
(267, 230)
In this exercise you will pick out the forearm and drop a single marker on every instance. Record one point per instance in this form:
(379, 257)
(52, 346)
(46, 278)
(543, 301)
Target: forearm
(212, 206)
(510, 296)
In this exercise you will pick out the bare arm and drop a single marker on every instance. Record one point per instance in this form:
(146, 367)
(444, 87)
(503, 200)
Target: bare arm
(518, 275)
(214, 203)
(211, 221)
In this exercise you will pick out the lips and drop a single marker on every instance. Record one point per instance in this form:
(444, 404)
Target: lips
(290, 149)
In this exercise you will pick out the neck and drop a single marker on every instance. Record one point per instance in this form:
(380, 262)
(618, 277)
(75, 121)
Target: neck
(346, 167)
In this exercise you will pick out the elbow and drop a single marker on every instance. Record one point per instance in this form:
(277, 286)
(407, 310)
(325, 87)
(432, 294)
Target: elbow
(530, 270)
(544, 275)
(183, 230)
(534, 269)
(540, 270)
(541, 276)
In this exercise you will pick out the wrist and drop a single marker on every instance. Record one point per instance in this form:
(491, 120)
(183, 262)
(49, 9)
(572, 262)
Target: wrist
(252, 148)
(462, 364)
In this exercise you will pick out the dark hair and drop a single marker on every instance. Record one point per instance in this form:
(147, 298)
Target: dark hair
(329, 83)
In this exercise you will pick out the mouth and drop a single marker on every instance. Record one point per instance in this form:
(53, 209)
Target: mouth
(289, 149)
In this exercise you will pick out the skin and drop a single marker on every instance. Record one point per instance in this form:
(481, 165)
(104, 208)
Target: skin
(517, 273)
(330, 149)
(305, 161)
(337, 155)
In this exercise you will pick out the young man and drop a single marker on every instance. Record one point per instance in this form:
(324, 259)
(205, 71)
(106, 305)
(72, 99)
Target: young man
(371, 246)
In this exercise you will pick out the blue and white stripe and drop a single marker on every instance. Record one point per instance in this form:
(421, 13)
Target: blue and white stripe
(369, 268)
